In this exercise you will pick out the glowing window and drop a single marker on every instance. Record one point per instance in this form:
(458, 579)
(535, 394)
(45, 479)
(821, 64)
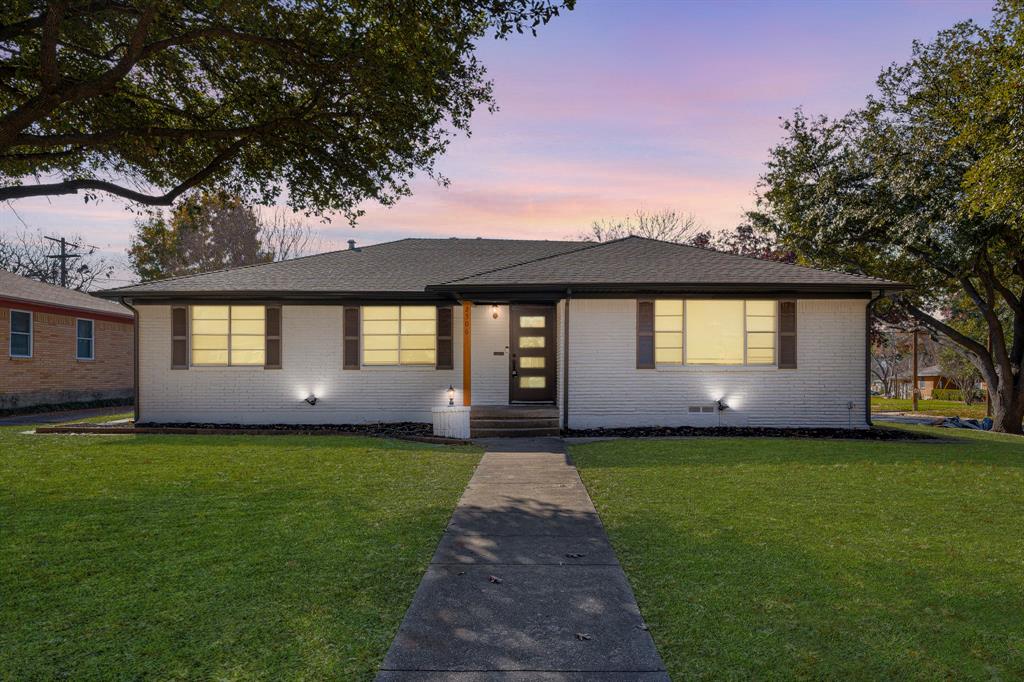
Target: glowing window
(228, 335)
(532, 382)
(528, 362)
(399, 335)
(532, 321)
(760, 332)
(714, 332)
(668, 332)
(531, 341)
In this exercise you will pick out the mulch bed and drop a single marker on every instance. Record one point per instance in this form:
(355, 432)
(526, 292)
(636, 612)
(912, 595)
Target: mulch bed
(413, 431)
(746, 432)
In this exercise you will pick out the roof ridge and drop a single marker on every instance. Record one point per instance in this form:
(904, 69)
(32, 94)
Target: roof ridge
(252, 265)
(584, 246)
(760, 260)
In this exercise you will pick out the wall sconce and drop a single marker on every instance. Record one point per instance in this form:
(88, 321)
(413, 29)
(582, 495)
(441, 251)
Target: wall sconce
(451, 396)
(722, 407)
(494, 312)
(311, 399)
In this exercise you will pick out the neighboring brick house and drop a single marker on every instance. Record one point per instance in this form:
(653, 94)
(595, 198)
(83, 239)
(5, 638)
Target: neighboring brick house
(61, 346)
(531, 335)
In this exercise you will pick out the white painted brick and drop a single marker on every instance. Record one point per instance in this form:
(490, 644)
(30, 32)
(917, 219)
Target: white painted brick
(606, 389)
(311, 364)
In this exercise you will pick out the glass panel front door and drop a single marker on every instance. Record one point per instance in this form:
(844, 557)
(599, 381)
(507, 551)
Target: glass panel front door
(532, 345)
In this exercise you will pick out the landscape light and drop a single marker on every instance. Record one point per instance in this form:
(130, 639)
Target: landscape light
(722, 407)
(451, 396)
(311, 399)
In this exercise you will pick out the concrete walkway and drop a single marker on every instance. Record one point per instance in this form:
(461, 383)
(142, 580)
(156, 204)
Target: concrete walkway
(524, 585)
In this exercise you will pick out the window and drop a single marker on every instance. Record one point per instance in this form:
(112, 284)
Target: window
(761, 330)
(21, 334)
(714, 332)
(84, 346)
(668, 332)
(399, 335)
(228, 335)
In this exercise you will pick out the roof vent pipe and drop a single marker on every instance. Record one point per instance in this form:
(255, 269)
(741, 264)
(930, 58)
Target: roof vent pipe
(351, 244)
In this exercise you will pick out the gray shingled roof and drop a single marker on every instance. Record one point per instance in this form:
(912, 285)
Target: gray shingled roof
(433, 266)
(31, 291)
(403, 266)
(638, 261)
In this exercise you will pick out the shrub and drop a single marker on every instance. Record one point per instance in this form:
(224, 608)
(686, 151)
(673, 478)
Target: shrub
(947, 394)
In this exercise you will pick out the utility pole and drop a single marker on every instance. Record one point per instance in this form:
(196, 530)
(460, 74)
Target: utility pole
(914, 385)
(63, 257)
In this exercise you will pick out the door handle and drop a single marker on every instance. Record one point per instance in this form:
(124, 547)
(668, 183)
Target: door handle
(515, 371)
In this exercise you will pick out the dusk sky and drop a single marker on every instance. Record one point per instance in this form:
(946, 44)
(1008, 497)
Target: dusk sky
(618, 106)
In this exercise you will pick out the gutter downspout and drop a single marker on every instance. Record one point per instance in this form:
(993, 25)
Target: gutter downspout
(135, 354)
(867, 355)
(565, 363)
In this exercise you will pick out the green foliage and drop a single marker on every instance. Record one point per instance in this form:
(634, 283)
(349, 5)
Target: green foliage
(950, 394)
(765, 559)
(883, 191)
(214, 557)
(330, 103)
(204, 232)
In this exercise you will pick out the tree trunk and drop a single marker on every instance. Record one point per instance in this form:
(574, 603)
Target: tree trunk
(1007, 408)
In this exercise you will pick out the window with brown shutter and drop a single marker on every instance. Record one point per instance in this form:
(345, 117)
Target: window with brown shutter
(787, 334)
(350, 332)
(179, 337)
(272, 337)
(445, 350)
(645, 334)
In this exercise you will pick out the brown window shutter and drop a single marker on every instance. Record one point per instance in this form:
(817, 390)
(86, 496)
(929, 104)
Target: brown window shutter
(179, 337)
(445, 351)
(272, 340)
(787, 334)
(350, 347)
(645, 334)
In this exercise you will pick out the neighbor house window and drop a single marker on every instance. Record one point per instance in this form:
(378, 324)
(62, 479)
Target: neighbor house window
(228, 335)
(714, 332)
(399, 335)
(21, 334)
(84, 341)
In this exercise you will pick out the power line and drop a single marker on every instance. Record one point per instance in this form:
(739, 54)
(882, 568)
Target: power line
(63, 257)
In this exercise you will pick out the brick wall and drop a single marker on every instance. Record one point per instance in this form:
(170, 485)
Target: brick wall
(53, 374)
(827, 389)
(311, 363)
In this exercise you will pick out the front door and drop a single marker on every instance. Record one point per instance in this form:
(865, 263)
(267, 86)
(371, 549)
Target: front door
(532, 344)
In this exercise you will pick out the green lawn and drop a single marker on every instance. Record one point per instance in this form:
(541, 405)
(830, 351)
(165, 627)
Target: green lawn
(213, 557)
(940, 408)
(823, 559)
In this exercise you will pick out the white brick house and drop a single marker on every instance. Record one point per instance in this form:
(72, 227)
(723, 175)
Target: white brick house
(634, 332)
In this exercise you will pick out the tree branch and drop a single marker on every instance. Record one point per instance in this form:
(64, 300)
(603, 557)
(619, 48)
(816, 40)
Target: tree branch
(86, 184)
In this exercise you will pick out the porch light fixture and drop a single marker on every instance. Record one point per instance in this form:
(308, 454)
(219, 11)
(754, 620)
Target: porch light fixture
(311, 399)
(722, 407)
(494, 311)
(451, 396)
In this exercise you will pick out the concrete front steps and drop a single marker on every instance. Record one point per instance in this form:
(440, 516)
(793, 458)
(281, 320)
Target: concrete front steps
(513, 421)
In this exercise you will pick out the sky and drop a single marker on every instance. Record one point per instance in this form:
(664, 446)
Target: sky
(616, 106)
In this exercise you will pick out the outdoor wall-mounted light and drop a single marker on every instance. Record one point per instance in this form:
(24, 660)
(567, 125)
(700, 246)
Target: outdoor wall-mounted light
(311, 399)
(494, 311)
(451, 396)
(722, 407)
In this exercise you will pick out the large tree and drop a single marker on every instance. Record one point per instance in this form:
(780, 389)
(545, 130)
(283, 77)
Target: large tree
(325, 102)
(887, 190)
(211, 231)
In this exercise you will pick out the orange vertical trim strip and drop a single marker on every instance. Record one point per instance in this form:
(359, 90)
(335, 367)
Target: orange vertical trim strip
(467, 353)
